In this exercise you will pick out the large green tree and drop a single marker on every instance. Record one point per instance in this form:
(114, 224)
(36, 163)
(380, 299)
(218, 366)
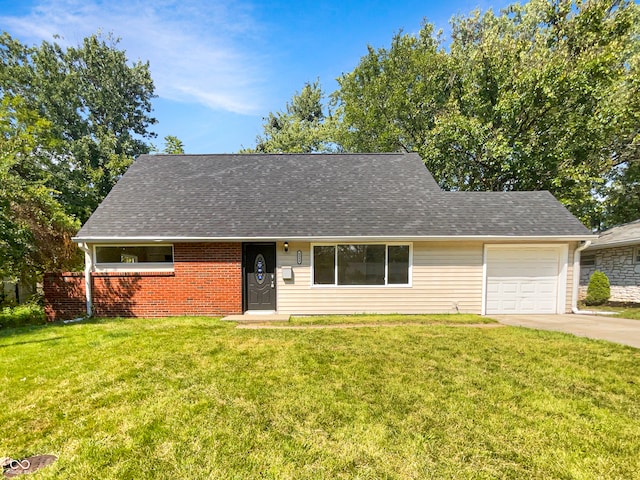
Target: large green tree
(541, 96)
(71, 121)
(35, 231)
(392, 99)
(621, 192)
(98, 104)
(173, 145)
(305, 126)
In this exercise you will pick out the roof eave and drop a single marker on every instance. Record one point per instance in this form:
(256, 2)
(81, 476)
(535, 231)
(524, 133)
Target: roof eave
(346, 238)
(620, 243)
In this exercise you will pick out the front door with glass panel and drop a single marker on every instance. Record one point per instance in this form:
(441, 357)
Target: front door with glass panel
(260, 276)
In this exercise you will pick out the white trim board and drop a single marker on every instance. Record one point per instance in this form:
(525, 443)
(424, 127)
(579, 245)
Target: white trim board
(333, 239)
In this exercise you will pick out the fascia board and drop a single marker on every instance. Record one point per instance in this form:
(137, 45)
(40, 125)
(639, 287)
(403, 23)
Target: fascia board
(621, 243)
(319, 239)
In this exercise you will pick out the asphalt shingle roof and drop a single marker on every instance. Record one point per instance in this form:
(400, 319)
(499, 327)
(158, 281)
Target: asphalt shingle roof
(626, 234)
(311, 195)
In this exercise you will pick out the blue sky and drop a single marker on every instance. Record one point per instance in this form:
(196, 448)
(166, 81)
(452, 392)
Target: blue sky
(220, 66)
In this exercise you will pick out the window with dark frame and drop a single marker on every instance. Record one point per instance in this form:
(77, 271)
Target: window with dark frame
(361, 264)
(588, 260)
(324, 266)
(128, 254)
(398, 261)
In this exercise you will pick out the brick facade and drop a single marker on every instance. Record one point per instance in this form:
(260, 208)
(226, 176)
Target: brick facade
(64, 295)
(206, 280)
(619, 266)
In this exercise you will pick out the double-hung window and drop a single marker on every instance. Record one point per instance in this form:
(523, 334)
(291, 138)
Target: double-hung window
(361, 264)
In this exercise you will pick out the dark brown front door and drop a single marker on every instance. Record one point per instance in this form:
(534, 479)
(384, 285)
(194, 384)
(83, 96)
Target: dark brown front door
(260, 276)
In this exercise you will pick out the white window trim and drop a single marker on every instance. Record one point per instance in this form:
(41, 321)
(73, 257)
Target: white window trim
(636, 255)
(386, 265)
(132, 267)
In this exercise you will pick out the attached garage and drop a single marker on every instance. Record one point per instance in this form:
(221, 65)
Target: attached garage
(525, 279)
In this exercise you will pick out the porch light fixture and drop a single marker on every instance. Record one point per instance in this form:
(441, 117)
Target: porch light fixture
(286, 246)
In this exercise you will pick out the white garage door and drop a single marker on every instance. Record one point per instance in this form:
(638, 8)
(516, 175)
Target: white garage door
(524, 279)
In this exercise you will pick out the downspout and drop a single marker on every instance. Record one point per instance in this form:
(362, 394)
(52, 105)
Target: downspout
(88, 267)
(576, 277)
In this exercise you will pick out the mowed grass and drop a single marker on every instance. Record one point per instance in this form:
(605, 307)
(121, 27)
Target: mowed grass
(196, 398)
(633, 313)
(626, 312)
(443, 319)
(622, 312)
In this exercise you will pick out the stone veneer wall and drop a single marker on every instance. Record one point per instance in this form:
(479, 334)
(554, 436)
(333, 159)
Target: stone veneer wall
(617, 264)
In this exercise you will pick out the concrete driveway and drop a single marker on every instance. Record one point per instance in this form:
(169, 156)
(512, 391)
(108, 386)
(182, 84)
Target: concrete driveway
(599, 327)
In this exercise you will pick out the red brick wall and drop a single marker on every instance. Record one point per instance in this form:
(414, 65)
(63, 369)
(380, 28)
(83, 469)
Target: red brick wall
(64, 296)
(207, 280)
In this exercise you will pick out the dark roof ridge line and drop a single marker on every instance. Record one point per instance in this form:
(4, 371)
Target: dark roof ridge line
(273, 154)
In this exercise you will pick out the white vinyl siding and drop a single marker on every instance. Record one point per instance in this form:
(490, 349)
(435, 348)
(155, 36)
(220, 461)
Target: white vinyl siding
(444, 277)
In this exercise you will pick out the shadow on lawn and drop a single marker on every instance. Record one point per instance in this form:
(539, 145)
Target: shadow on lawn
(26, 343)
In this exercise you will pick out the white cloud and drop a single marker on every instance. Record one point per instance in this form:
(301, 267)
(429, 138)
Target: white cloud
(199, 53)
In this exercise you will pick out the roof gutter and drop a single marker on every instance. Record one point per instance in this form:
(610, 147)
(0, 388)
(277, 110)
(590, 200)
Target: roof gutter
(576, 278)
(576, 283)
(337, 238)
(88, 267)
(619, 243)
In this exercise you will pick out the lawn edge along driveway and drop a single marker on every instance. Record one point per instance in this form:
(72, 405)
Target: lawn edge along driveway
(613, 329)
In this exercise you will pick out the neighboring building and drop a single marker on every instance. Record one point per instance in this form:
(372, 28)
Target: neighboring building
(616, 252)
(312, 234)
(15, 292)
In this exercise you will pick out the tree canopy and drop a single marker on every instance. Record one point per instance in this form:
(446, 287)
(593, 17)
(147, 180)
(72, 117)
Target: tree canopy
(306, 125)
(540, 96)
(72, 120)
(35, 231)
(173, 145)
(97, 104)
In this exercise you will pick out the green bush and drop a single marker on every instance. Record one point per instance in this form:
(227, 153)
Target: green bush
(598, 290)
(20, 315)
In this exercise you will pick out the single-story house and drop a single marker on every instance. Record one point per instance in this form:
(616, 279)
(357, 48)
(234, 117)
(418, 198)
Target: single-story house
(616, 252)
(313, 234)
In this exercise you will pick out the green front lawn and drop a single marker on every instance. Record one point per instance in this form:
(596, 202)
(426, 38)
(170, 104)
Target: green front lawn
(622, 312)
(196, 398)
(365, 318)
(626, 312)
